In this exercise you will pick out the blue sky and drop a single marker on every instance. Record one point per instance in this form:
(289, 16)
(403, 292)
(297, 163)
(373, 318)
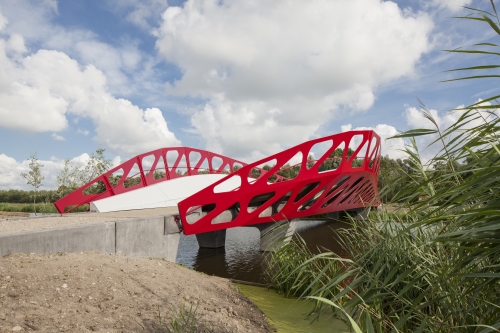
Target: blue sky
(245, 79)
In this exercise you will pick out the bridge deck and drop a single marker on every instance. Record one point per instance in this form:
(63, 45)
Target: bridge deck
(16, 224)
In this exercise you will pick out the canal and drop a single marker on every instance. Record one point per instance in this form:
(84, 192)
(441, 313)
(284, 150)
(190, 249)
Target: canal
(241, 258)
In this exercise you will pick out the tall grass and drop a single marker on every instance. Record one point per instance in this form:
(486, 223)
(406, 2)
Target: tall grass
(439, 269)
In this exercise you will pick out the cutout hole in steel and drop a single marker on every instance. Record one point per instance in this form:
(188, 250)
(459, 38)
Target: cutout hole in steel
(337, 185)
(147, 163)
(133, 177)
(356, 183)
(334, 160)
(159, 171)
(172, 156)
(216, 163)
(278, 205)
(289, 170)
(262, 169)
(96, 188)
(115, 177)
(227, 215)
(259, 200)
(306, 205)
(332, 199)
(208, 208)
(318, 150)
(305, 191)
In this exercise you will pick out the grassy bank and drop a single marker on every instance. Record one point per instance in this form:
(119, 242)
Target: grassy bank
(42, 207)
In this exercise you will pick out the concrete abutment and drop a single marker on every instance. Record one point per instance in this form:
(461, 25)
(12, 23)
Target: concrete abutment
(153, 236)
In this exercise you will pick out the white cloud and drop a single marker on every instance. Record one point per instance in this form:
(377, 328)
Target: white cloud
(391, 147)
(84, 132)
(452, 5)
(143, 14)
(47, 86)
(58, 137)
(273, 72)
(16, 43)
(415, 119)
(10, 173)
(128, 68)
(3, 21)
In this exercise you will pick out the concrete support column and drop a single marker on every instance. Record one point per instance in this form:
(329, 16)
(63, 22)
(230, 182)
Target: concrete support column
(333, 215)
(213, 239)
(273, 234)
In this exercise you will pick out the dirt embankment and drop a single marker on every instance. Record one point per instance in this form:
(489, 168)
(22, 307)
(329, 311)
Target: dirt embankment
(92, 292)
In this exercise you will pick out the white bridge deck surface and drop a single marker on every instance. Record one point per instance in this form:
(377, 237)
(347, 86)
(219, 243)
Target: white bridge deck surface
(15, 225)
(163, 194)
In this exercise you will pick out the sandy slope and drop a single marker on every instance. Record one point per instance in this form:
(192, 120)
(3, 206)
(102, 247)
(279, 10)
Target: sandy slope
(90, 291)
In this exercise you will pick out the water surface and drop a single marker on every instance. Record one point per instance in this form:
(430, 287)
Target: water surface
(241, 258)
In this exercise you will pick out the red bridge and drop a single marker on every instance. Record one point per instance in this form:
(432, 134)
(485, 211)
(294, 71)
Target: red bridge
(271, 189)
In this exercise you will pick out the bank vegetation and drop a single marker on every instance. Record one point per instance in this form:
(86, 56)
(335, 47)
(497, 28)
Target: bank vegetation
(438, 269)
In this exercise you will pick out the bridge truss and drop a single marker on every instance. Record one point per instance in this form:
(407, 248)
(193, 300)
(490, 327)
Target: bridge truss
(267, 191)
(351, 185)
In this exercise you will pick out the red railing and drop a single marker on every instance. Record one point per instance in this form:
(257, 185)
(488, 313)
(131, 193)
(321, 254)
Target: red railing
(268, 198)
(185, 162)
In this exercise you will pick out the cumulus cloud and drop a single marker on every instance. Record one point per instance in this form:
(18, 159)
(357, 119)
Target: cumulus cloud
(16, 43)
(130, 71)
(10, 173)
(57, 137)
(48, 86)
(141, 13)
(84, 132)
(273, 72)
(452, 5)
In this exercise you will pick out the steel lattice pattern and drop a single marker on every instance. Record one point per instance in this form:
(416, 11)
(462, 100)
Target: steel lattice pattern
(352, 184)
(146, 169)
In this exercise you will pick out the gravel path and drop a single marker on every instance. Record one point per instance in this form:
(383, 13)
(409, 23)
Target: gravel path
(16, 224)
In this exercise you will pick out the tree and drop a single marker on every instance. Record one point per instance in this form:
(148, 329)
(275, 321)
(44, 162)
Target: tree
(96, 166)
(72, 177)
(67, 179)
(34, 177)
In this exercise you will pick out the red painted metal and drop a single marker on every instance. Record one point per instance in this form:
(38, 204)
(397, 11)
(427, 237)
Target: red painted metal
(185, 164)
(310, 192)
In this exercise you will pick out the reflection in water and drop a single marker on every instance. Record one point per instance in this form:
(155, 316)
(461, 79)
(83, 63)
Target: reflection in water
(241, 258)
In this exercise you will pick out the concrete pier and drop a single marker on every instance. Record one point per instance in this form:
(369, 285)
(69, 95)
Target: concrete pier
(212, 240)
(275, 233)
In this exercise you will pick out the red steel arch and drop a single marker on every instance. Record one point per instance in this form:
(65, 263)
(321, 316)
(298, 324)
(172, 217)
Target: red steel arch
(349, 186)
(185, 164)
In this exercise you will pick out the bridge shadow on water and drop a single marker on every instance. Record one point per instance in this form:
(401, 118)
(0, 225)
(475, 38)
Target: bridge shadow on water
(241, 259)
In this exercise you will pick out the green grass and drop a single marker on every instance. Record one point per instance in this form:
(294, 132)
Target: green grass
(42, 207)
(183, 320)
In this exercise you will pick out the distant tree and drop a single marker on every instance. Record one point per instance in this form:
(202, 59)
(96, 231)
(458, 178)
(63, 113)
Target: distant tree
(159, 174)
(96, 166)
(72, 177)
(34, 176)
(67, 179)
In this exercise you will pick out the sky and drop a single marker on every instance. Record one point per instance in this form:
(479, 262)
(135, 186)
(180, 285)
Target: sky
(245, 79)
